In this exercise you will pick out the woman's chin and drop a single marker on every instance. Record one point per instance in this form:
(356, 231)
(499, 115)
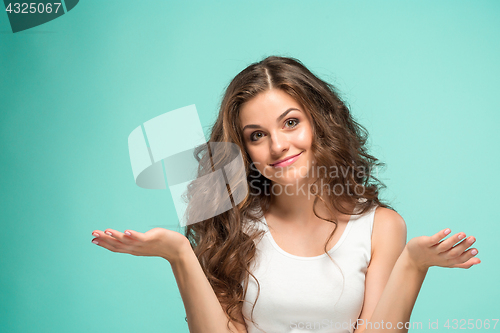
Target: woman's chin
(290, 182)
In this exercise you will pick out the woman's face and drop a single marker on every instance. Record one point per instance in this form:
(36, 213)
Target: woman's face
(276, 127)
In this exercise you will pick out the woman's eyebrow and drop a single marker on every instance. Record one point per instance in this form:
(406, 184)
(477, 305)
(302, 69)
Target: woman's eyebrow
(283, 115)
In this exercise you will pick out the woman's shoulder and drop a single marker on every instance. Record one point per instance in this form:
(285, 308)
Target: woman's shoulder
(387, 216)
(388, 227)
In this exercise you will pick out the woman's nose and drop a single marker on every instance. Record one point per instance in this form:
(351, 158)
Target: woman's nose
(279, 143)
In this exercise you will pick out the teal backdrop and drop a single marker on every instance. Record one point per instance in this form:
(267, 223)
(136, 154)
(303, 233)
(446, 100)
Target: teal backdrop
(421, 76)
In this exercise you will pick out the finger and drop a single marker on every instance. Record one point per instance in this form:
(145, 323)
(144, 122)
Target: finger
(96, 234)
(468, 264)
(458, 249)
(131, 234)
(440, 235)
(449, 242)
(113, 233)
(109, 236)
(118, 236)
(464, 257)
(108, 243)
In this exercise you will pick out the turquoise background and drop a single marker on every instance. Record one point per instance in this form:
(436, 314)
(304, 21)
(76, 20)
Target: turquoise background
(421, 76)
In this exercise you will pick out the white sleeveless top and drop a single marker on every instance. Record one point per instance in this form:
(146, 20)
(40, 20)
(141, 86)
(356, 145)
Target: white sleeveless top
(309, 294)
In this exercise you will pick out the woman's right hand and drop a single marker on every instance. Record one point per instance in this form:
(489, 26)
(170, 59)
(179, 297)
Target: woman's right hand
(157, 242)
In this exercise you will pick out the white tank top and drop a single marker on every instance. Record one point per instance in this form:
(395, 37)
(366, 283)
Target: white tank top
(309, 294)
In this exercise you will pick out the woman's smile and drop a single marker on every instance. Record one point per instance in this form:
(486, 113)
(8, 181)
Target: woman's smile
(286, 162)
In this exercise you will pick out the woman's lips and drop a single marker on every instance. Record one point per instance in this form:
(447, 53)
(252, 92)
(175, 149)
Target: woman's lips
(287, 162)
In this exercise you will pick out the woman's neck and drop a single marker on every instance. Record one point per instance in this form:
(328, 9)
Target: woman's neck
(296, 208)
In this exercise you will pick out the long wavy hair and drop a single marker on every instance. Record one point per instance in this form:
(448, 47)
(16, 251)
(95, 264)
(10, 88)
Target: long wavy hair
(225, 244)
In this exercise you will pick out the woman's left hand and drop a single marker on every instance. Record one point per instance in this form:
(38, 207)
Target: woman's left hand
(425, 251)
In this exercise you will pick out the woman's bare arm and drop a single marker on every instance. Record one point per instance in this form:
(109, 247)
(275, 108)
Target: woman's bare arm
(388, 242)
(203, 309)
(205, 313)
(395, 304)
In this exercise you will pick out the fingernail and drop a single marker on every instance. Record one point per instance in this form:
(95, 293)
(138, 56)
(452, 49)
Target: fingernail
(95, 241)
(108, 233)
(128, 233)
(471, 240)
(447, 231)
(461, 236)
(473, 252)
(95, 234)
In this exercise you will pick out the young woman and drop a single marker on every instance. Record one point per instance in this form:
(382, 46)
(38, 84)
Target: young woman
(311, 247)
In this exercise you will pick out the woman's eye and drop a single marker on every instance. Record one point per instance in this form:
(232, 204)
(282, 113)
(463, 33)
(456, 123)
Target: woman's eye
(293, 121)
(252, 136)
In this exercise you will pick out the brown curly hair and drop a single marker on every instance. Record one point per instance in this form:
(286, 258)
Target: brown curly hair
(225, 244)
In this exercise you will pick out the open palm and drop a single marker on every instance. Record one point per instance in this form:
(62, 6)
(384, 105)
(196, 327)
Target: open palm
(427, 251)
(157, 242)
